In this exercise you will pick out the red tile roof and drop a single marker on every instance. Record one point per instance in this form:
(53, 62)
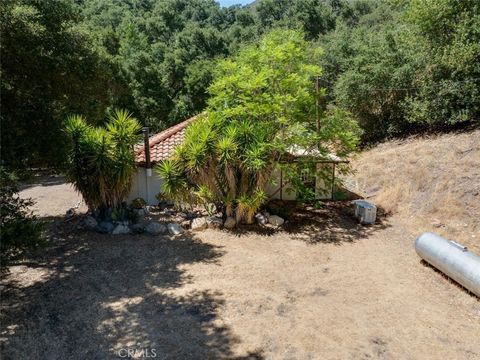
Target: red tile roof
(162, 145)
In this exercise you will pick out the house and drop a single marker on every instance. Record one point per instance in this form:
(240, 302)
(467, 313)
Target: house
(147, 184)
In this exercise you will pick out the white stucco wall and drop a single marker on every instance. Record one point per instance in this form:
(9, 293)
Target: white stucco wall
(145, 187)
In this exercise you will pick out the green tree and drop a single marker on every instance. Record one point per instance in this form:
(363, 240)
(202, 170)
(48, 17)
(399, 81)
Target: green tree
(447, 38)
(262, 104)
(48, 69)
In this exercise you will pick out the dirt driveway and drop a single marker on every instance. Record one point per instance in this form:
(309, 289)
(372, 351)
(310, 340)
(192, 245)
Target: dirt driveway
(323, 288)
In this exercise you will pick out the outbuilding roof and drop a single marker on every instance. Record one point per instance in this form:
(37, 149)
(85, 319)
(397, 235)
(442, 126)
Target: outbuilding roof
(162, 145)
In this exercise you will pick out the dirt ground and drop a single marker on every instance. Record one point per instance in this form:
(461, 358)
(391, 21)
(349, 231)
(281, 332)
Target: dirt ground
(322, 288)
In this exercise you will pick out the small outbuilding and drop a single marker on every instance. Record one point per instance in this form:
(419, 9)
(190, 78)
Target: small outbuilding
(147, 183)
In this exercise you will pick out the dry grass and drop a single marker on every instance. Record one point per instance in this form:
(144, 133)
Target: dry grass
(432, 183)
(324, 287)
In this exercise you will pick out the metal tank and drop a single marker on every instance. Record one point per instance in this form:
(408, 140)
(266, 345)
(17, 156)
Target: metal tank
(452, 259)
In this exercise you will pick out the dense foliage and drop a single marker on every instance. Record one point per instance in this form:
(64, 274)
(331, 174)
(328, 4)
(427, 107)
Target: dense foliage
(399, 66)
(48, 70)
(262, 106)
(20, 230)
(101, 160)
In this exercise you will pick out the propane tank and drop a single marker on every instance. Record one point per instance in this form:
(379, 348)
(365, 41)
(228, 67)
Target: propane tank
(451, 258)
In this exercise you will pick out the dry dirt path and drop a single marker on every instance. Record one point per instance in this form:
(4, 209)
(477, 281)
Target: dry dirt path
(314, 292)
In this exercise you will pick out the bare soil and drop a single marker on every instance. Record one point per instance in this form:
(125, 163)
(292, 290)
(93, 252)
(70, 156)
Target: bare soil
(324, 287)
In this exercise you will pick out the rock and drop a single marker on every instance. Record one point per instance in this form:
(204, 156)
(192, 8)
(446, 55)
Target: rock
(105, 227)
(214, 222)
(90, 223)
(275, 220)
(121, 229)
(261, 219)
(229, 223)
(140, 213)
(175, 229)
(70, 213)
(168, 212)
(138, 228)
(198, 224)
(155, 228)
(182, 215)
(191, 215)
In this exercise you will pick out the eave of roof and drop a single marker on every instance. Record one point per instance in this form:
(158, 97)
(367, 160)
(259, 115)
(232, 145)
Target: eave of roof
(163, 144)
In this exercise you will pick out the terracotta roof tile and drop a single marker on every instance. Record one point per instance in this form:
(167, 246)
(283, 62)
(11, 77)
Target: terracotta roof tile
(163, 144)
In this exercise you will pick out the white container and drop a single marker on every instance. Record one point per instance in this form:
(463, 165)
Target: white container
(365, 211)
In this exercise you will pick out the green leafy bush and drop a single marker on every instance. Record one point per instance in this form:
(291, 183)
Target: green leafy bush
(20, 230)
(138, 203)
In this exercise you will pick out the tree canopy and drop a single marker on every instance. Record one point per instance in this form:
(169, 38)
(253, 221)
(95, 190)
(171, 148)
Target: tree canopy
(399, 66)
(262, 105)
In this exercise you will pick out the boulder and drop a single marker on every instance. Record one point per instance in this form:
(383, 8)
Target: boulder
(90, 223)
(155, 228)
(214, 222)
(175, 229)
(121, 229)
(275, 220)
(198, 224)
(138, 228)
(229, 223)
(140, 213)
(105, 227)
(261, 219)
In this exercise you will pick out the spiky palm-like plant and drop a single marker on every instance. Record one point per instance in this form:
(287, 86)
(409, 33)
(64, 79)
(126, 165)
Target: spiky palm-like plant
(262, 104)
(101, 160)
(225, 162)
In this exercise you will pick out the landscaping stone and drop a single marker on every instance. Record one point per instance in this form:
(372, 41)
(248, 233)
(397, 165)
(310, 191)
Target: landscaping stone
(138, 228)
(140, 213)
(90, 223)
(229, 223)
(275, 220)
(121, 229)
(175, 229)
(155, 228)
(261, 219)
(198, 224)
(214, 222)
(70, 213)
(105, 227)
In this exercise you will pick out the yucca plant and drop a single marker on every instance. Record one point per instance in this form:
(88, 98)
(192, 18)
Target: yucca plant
(101, 160)
(262, 103)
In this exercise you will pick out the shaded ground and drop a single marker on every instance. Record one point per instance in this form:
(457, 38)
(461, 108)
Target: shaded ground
(324, 288)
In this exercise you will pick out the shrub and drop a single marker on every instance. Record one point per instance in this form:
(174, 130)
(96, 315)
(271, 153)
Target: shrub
(138, 203)
(20, 230)
(101, 161)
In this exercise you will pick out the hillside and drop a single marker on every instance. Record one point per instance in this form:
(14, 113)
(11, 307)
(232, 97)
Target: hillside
(430, 183)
